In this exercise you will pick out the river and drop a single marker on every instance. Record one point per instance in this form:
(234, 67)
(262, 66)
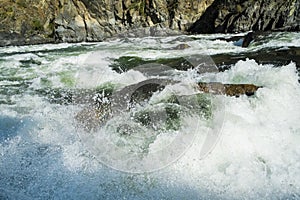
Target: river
(238, 148)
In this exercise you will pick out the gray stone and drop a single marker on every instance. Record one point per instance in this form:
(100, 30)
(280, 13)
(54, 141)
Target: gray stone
(33, 22)
(232, 16)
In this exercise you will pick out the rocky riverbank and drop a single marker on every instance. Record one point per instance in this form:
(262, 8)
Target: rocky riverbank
(49, 21)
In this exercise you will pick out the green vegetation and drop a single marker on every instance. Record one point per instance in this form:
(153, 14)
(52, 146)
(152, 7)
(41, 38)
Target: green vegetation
(21, 3)
(37, 25)
(239, 8)
(7, 12)
(139, 5)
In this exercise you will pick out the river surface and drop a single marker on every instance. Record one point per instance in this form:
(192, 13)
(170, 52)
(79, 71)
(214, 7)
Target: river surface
(45, 153)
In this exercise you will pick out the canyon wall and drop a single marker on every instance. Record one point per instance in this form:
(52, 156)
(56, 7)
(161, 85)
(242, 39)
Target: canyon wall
(42, 21)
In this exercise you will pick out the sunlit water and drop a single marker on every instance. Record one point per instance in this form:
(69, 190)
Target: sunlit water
(42, 155)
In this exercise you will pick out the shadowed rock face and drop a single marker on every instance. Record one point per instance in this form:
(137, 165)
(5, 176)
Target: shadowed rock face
(33, 22)
(229, 16)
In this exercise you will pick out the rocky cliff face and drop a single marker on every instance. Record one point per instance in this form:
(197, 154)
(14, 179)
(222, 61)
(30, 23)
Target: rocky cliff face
(85, 20)
(40, 21)
(228, 16)
(26, 21)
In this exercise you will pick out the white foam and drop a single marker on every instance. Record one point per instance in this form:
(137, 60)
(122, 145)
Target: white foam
(258, 152)
(257, 156)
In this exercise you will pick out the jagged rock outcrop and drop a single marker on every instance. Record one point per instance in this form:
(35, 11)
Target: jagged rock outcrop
(33, 22)
(26, 22)
(229, 16)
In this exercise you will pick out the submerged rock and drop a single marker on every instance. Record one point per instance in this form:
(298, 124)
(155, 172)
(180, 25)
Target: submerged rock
(248, 39)
(277, 57)
(164, 113)
(258, 37)
(126, 63)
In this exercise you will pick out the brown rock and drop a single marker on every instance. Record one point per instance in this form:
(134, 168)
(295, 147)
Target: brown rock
(228, 89)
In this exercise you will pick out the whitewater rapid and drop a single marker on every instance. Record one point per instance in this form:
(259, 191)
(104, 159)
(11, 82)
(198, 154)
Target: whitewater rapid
(42, 156)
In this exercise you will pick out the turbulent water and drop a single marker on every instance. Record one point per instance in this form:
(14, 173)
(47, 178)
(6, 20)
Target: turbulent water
(46, 154)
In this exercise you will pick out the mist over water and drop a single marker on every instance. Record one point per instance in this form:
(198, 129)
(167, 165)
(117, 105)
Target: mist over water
(43, 156)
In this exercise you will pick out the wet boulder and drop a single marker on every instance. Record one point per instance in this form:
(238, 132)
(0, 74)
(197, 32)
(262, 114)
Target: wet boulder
(228, 89)
(134, 99)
